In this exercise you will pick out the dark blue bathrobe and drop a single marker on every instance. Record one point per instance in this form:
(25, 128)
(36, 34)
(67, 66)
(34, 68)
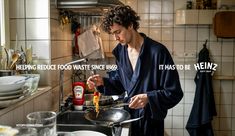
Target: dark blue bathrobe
(162, 86)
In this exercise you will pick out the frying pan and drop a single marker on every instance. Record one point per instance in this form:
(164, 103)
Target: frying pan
(109, 117)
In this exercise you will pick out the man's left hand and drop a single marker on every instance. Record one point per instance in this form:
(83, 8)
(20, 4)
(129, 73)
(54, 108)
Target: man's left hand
(138, 101)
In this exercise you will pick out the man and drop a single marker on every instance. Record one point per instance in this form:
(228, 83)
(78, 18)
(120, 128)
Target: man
(151, 90)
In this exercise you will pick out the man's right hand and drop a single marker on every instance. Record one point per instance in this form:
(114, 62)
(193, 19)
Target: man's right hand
(94, 81)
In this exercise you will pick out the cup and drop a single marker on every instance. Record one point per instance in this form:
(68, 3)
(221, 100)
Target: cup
(44, 122)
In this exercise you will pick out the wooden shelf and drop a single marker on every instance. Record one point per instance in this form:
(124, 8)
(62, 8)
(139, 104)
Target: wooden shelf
(224, 77)
(194, 16)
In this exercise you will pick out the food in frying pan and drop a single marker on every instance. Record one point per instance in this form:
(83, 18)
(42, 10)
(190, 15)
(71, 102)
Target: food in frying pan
(96, 99)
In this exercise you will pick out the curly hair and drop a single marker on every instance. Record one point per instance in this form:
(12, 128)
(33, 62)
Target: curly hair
(122, 15)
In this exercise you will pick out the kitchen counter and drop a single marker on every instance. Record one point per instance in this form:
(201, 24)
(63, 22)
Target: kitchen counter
(37, 101)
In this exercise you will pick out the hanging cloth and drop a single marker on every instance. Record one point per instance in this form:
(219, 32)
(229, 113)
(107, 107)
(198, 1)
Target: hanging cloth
(76, 47)
(203, 110)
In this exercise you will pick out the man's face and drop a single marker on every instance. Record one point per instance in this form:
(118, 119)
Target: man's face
(121, 34)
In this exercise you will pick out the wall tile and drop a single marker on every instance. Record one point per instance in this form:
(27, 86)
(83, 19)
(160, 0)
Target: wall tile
(190, 85)
(178, 110)
(34, 8)
(179, 34)
(155, 34)
(168, 122)
(189, 98)
(227, 66)
(167, 34)
(226, 98)
(191, 34)
(225, 110)
(168, 44)
(226, 124)
(215, 48)
(155, 20)
(179, 4)
(203, 34)
(41, 48)
(17, 9)
(167, 20)
(178, 122)
(155, 6)
(233, 124)
(143, 6)
(17, 29)
(144, 20)
(226, 86)
(37, 29)
(227, 49)
(167, 6)
(187, 109)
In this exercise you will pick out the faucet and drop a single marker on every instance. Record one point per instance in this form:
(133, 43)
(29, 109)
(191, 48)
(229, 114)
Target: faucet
(61, 91)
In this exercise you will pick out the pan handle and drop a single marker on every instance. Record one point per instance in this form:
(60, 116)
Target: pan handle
(124, 122)
(130, 120)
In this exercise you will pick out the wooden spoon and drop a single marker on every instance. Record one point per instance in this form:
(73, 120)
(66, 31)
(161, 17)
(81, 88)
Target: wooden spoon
(15, 58)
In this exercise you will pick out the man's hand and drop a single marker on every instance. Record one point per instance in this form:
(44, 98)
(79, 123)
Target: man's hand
(94, 81)
(138, 101)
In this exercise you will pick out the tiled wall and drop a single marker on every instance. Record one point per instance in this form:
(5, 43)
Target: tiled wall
(35, 24)
(184, 42)
(30, 26)
(157, 21)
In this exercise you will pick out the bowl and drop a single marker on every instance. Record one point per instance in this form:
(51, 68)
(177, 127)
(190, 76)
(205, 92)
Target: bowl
(11, 83)
(32, 81)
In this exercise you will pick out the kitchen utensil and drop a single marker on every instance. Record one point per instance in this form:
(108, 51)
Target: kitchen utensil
(7, 55)
(87, 133)
(15, 58)
(110, 117)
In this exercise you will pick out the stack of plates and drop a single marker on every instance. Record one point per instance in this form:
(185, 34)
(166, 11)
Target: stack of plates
(8, 98)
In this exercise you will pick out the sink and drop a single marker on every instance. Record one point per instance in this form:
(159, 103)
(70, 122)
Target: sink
(74, 120)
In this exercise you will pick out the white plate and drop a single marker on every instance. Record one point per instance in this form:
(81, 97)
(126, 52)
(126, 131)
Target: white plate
(15, 96)
(7, 103)
(10, 83)
(15, 92)
(10, 97)
(87, 133)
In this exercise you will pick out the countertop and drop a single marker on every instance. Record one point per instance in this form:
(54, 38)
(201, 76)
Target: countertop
(40, 90)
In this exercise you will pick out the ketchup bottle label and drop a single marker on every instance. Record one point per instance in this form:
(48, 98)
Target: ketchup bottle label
(78, 92)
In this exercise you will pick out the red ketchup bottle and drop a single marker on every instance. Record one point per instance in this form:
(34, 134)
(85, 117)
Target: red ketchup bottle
(78, 95)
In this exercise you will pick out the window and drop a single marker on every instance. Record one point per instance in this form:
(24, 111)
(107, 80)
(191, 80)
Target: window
(2, 23)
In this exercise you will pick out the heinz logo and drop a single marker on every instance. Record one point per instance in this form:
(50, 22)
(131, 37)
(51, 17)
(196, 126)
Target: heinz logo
(205, 66)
